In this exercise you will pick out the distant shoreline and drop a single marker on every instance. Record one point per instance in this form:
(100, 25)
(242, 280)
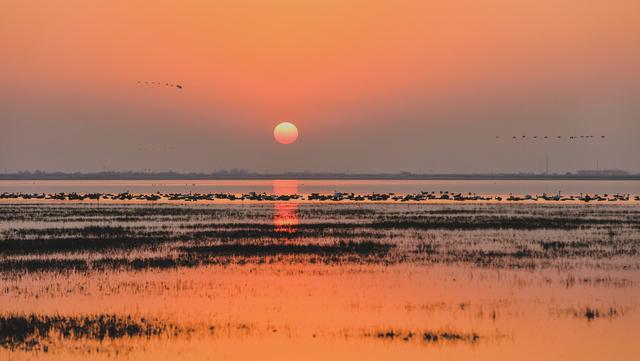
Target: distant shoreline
(34, 176)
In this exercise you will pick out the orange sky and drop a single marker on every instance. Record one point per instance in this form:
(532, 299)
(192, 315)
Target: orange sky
(245, 65)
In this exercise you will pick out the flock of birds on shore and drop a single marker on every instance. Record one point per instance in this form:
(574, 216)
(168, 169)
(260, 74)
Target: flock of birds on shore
(335, 197)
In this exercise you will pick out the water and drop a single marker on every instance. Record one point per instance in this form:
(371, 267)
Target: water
(320, 281)
(324, 186)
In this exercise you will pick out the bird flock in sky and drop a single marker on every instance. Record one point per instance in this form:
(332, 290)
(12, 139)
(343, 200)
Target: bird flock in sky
(177, 86)
(571, 137)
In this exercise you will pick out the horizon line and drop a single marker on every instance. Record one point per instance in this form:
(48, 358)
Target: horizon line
(609, 174)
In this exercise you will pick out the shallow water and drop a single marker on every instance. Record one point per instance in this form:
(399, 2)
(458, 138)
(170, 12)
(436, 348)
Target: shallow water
(490, 281)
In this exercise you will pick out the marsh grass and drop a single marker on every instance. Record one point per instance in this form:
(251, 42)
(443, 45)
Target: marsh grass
(592, 313)
(425, 336)
(340, 248)
(33, 331)
(145, 251)
(482, 235)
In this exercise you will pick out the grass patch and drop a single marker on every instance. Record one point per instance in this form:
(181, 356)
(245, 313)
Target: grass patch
(33, 332)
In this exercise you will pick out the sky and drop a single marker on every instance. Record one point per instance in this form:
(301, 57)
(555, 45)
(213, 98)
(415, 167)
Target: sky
(373, 86)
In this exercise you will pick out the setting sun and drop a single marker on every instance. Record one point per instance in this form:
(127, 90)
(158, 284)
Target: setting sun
(285, 133)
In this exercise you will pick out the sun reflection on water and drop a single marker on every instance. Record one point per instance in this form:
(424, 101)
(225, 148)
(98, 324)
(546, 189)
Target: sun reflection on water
(285, 217)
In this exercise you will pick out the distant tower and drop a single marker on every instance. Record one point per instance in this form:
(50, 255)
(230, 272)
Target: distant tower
(546, 165)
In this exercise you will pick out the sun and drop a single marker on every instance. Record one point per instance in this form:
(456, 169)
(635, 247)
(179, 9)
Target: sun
(285, 133)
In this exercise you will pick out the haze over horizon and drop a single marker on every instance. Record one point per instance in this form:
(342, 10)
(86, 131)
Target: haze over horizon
(373, 86)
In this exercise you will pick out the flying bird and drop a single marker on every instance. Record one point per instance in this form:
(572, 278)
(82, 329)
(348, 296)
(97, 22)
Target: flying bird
(177, 86)
(572, 137)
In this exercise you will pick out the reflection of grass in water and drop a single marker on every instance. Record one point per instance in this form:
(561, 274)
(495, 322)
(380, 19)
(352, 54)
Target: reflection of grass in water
(591, 313)
(92, 238)
(30, 332)
(35, 332)
(193, 256)
(426, 336)
(340, 248)
(608, 281)
(14, 266)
